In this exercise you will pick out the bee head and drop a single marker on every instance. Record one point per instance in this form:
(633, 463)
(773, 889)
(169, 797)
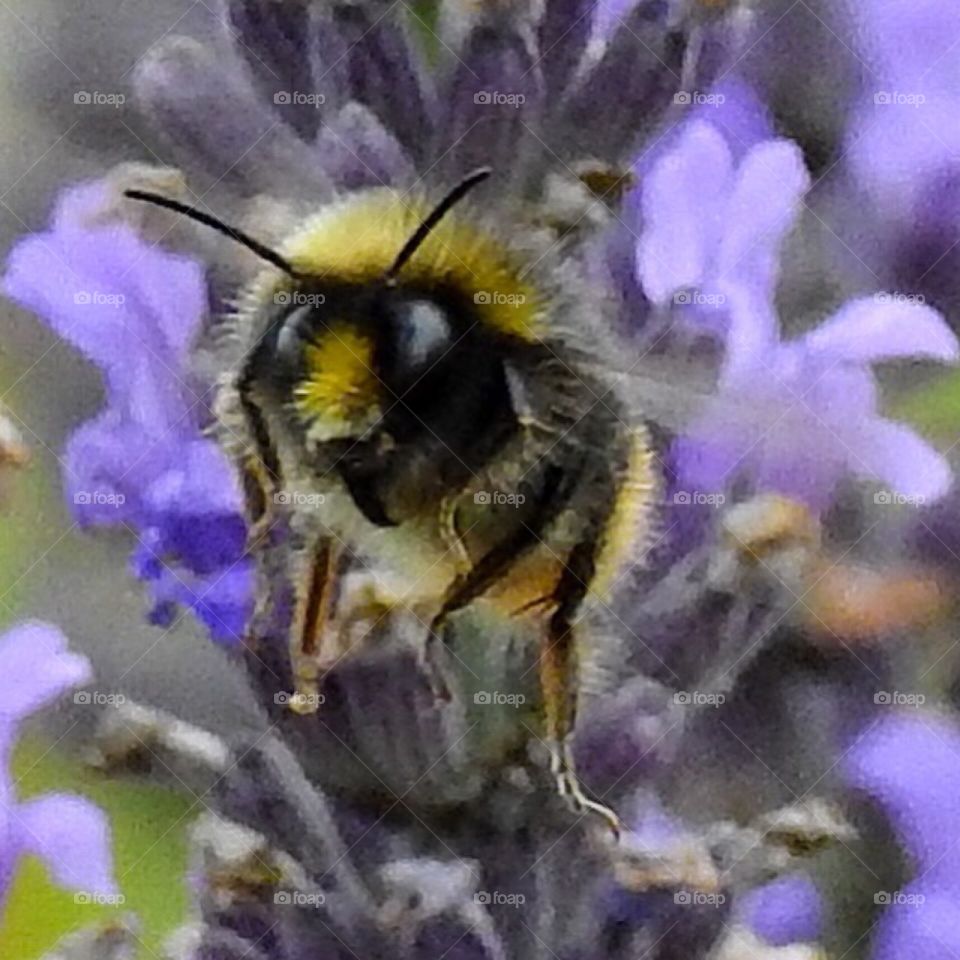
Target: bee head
(383, 346)
(397, 388)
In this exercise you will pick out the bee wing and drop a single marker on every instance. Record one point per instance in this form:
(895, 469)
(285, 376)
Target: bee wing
(672, 394)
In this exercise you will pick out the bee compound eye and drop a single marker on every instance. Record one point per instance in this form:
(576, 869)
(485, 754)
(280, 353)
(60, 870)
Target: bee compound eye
(422, 332)
(292, 335)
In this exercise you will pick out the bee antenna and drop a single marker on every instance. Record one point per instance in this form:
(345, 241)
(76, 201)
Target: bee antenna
(261, 250)
(433, 218)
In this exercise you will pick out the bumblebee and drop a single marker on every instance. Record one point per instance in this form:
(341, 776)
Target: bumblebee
(431, 408)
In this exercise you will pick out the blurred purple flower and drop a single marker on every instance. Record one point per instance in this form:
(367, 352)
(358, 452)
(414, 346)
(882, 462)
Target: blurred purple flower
(910, 765)
(903, 146)
(737, 119)
(786, 910)
(904, 134)
(142, 463)
(68, 833)
(795, 417)
(714, 217)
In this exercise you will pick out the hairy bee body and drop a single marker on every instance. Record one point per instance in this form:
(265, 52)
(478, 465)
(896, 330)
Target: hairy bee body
(441, 438)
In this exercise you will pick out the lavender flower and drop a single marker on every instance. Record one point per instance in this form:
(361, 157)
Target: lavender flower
(716, 209)
(910, 766)
(143, 463)
(68, 833)
(715, 213)
(795, 417)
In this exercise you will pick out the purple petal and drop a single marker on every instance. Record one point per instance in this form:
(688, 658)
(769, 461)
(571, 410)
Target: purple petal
(72, 836)
(763, 207)
(213, 117)
(563, 33)
(483, 125)
(382, 70)
(624, 95)
(908, 36)
(108, 293)
(928, 928)
(804, 468)
(743, 118)
(910, 765)
(897, 150)
(783, 423)
(222, 601)
(894, 454)
(359, 151)
(202, 481)
(195, 508)
(276, 42)
(787, 910)
(752, 335)
(705, 459)
(841, 394)
(882, 327)
(108, 462)
(608, 16)
(36, 668)
(683, 212)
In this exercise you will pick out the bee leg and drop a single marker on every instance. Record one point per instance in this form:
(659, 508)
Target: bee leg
(261, 472)
(312, 613)
(451, 536)
(558, 683)
(492, 566)
(432, 668)
(429, 658)
(257, 497)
